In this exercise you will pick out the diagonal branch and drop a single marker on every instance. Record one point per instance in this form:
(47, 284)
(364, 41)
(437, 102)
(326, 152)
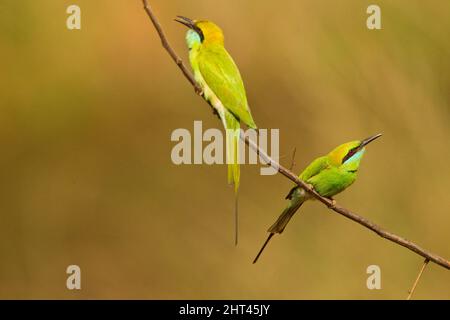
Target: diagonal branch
(165, 43)
(291, 176)
(347, 213)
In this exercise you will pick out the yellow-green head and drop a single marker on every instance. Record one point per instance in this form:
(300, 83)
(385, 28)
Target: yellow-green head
(350, 153)
(201, 32)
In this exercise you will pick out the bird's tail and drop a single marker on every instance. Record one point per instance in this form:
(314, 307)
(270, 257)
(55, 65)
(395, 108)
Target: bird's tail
(282, 221)
(285, 217)
(232, 138)
(232, 127)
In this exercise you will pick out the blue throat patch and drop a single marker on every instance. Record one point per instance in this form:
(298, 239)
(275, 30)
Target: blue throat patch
(356, 157)
(192, 38)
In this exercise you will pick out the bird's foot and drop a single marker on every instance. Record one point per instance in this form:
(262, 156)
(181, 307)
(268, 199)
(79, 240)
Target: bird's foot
(332, 205)
(198, 91)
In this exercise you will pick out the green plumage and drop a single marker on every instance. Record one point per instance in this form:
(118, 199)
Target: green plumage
(223, 78)
(222, 86)
(328, 175)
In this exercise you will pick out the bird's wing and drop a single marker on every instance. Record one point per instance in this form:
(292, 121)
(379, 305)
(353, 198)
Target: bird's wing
(332, 181)
(312, 170)
(222, 76)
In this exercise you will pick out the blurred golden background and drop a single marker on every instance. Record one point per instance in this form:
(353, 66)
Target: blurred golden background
(86, 176)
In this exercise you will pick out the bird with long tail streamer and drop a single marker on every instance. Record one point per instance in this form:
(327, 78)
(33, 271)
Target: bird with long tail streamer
(223, 88)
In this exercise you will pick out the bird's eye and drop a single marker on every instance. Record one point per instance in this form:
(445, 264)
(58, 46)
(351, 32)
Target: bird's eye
(349, 154)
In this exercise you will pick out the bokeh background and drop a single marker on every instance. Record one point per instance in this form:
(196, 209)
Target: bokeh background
(86, 176)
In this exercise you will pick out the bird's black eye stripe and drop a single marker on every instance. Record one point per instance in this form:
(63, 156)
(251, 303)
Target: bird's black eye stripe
(200, 33)
(350, 154)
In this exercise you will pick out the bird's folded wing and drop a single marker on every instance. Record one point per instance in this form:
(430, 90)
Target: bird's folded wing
(312, 170)
(223, 78)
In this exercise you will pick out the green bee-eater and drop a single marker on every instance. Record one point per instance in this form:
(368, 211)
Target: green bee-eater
(222, 86)
(328, 175)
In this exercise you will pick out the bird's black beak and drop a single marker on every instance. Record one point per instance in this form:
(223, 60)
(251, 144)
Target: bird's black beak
(185, 21)
(368, 140)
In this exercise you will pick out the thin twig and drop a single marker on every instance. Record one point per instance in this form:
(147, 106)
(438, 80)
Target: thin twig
(288, 174)
(293, 159)
(165, 43)
(425, 263)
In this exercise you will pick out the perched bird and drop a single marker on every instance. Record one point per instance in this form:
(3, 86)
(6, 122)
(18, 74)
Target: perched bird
(222, 86)
(328, 175)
